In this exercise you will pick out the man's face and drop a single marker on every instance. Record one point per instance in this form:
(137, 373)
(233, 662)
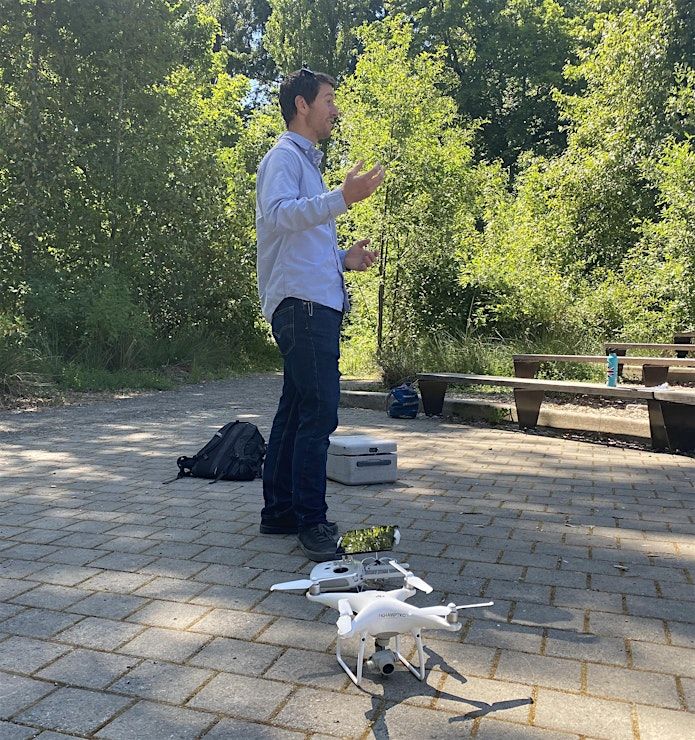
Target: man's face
(323, 112)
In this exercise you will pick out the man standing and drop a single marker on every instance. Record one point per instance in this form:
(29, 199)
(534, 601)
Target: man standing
(300, 283)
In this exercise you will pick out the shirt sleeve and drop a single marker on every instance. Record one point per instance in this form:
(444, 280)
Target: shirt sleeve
(279, 197)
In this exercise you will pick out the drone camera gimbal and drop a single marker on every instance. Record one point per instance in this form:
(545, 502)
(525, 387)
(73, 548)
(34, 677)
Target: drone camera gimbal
(384, 661)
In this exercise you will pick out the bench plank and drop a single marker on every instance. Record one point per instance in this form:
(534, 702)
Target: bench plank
(553, 386)
(676, 395)
(654, 369)
(637, 345)
(601, 359)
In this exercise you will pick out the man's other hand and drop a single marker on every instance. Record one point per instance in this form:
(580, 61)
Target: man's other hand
(359, 185)
(358, 258)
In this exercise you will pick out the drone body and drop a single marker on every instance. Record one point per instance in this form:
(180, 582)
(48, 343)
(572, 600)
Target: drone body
(389, 616)
(361, 599)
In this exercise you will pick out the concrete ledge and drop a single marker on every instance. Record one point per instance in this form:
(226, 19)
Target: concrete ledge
(495, 411)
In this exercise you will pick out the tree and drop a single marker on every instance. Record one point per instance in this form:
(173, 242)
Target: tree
(505, 58)
(424, 216)
(243, 35)
(319, 33)
(117, 134)
(588, 239)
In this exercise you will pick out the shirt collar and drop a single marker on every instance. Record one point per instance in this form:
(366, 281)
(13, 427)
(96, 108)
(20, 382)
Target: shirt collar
(314, 154)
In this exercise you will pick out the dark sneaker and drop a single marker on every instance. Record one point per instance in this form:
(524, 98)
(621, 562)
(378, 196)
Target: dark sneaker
(290, 527)
(319, 543)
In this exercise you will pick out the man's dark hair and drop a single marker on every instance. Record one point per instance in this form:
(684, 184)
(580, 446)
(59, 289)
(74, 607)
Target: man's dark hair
(303, 82)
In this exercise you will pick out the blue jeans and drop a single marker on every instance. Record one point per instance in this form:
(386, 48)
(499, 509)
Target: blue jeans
(294, 474)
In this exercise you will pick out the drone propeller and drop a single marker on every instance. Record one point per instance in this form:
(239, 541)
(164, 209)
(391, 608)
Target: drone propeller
(470, 606)
(303, 584)
(345, 619)
(411, 580)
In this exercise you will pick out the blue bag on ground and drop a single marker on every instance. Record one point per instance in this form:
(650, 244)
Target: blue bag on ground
(403, 402)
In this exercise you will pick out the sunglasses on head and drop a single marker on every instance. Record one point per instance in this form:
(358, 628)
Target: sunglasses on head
(306, 72)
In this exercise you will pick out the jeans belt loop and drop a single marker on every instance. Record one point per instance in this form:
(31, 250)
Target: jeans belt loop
(310, 304)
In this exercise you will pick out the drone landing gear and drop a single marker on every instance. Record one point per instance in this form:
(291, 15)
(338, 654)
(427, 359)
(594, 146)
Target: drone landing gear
(384, 658)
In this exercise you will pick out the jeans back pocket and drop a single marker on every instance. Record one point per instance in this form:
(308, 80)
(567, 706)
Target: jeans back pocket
(283, 329)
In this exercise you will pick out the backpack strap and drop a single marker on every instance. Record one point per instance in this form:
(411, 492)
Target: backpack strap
(185, 465)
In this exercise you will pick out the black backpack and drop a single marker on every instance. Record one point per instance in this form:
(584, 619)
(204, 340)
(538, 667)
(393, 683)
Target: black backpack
(236, 452)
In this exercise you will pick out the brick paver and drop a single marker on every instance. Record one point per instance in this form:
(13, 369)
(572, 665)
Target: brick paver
(129, 609)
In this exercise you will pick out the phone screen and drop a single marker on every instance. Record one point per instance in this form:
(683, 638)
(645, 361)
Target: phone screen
(372, 539)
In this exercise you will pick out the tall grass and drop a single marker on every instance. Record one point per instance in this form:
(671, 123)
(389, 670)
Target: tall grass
(465, 353)
(21, 373)
(32, 367)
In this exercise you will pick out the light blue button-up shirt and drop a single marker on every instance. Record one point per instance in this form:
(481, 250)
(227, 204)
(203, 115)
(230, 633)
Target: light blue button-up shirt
(298, 255)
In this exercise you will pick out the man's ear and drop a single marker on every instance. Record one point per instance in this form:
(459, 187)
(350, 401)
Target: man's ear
(300, 104)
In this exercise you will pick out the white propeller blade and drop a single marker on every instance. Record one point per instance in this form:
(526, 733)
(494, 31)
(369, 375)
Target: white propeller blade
(411, 580)
(471, 606)
(303, 584)
(344, 625)
(398, 567)
(345, 619)
(416, 582)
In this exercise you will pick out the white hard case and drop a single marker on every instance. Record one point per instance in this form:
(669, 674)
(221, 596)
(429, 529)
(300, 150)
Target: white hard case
(358, 459)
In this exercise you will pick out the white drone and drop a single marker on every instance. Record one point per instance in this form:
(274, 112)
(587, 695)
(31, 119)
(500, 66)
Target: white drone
(389, 617)
(383, 615)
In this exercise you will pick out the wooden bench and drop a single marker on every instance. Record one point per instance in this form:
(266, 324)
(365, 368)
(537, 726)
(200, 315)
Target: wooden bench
(671, 416)
(683, 337)
(621, 348)
(654, 369)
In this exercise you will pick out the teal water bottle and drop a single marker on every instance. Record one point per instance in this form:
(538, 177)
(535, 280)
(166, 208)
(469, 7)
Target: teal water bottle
(612, 370)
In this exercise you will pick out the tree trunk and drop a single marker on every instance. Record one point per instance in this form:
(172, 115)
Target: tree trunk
(29, 240)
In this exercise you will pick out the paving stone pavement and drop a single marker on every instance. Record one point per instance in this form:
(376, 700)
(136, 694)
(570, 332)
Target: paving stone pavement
(129, 609)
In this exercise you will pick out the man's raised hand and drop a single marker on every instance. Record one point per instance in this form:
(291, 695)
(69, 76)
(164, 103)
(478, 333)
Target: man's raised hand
(358, 257)
(359, 185)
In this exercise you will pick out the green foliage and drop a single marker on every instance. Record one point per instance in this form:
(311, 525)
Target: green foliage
(318, 33)
(539, 195)
(425, 212)
(20, 366)
(97, 323)
(653, 293)
(242, 23)
(619, 123)
(127, 209)
(594, 242)
(505, 58)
